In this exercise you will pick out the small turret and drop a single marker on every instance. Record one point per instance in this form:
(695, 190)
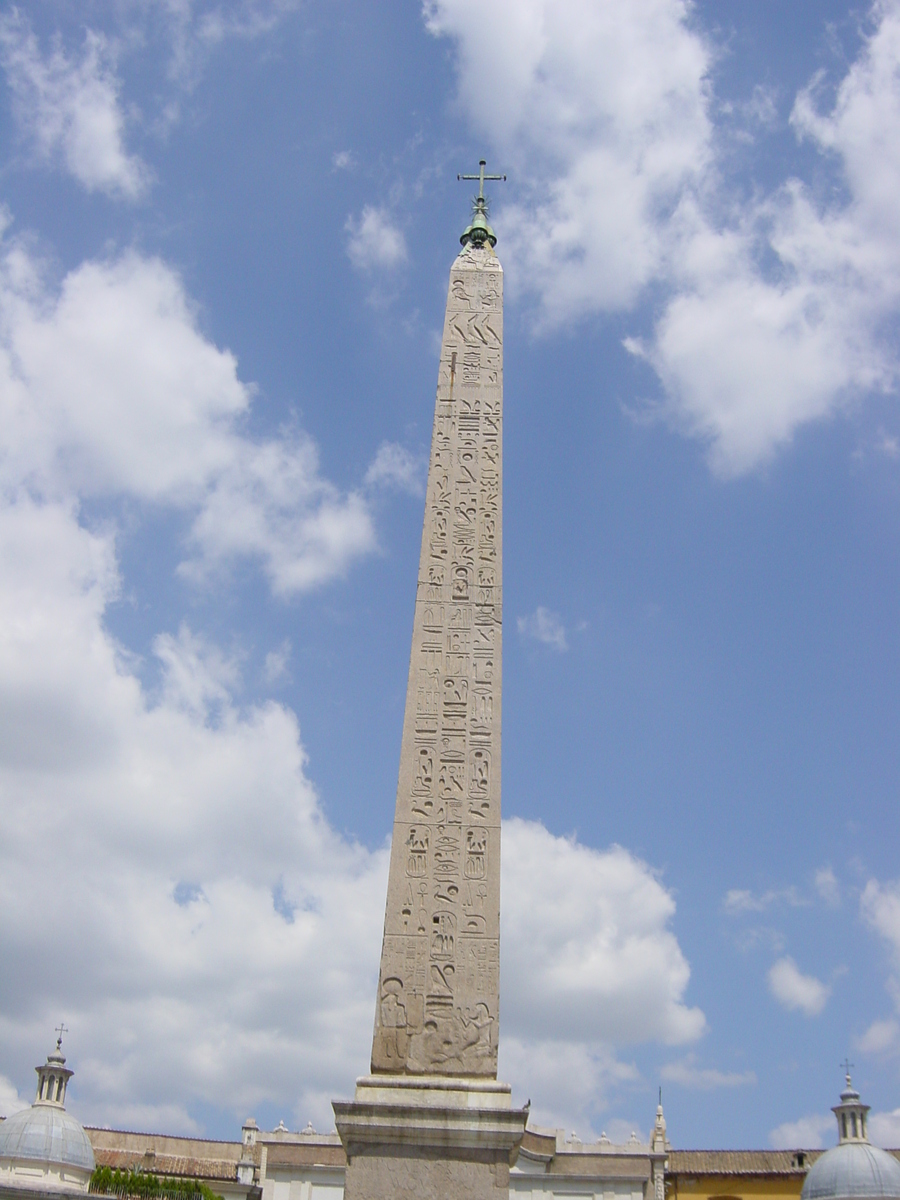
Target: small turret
(851, 1114)
(54, 1076)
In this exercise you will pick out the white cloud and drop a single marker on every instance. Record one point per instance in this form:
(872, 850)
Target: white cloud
(808, 1133)
(276, 664)
(394, 466)
(828, 887)
(880, 908)
(159, 795)
(686, 1073)
(779, 308)
(568, 1082)
(109, 388)
(343, 160)
(544, 626)
(69, 108)
(741, 900)
(796, 991)
(10, 1100)
(884, 1128)
(197, 676)
(375, 240)
(880, 1037)
(589, 952)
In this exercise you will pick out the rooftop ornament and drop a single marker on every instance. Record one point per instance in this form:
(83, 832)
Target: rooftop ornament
(480, 231)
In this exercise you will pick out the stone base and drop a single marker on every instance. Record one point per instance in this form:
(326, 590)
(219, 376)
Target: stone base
(429, 1138)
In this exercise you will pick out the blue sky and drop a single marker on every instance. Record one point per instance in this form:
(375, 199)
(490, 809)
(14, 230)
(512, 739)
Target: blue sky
(227, 232)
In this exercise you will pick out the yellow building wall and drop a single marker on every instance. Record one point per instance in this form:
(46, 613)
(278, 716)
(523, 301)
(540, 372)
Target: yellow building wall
(735, 1187)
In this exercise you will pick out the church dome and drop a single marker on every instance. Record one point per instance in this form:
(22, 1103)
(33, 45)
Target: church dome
(46, 1135)
(854, 1169)
(44, 1147)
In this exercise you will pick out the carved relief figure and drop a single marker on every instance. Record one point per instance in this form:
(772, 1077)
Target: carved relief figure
(394, 1036)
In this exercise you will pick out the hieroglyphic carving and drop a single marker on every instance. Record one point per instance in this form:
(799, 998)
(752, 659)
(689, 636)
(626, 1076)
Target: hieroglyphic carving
(438, 999)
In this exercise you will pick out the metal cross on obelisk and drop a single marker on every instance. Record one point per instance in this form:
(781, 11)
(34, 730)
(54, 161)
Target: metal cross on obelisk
(479, 231)
(481, 177)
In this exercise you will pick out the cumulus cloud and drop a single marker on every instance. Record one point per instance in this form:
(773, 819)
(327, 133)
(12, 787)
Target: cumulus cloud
(777, 310)
(394, 467)
(742, 900)
(375, 240)
(590, 950)
(276, 664)
(568, 1082)
(108, 387)
(184, 822)
(880, 1037)
(880, 909)
(808, 1133)
(544, 626)
(688, 1074)
(10, 1100)
(795, 991)
(884, 1128)
(68, 107)
(828, 887)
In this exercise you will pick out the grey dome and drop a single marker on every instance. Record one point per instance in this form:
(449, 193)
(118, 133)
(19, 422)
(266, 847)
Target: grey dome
(853, 1169)
(47, 1134)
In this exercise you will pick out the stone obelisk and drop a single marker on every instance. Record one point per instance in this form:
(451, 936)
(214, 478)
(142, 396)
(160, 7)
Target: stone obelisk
(431, 1120)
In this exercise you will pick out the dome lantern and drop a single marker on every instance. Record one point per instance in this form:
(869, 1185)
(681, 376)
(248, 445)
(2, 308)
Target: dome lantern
(54, 1075)
(851, 1113)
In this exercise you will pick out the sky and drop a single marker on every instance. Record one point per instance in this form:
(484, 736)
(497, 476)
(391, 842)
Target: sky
(227, 227)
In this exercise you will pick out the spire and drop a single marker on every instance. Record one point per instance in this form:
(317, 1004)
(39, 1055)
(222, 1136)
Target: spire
(479, 231)
(658, 1141)
(851, 1113)
(659, 1147)
(54, 1075)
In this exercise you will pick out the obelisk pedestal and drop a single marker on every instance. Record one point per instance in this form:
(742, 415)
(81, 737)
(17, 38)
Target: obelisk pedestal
(430, 1138)
(431, 1120)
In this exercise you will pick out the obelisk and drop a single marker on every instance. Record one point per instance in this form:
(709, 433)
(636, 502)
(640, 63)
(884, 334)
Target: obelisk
(431, 1120)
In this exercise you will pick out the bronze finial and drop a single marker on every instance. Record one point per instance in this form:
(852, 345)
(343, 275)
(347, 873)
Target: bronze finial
(479, 231)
